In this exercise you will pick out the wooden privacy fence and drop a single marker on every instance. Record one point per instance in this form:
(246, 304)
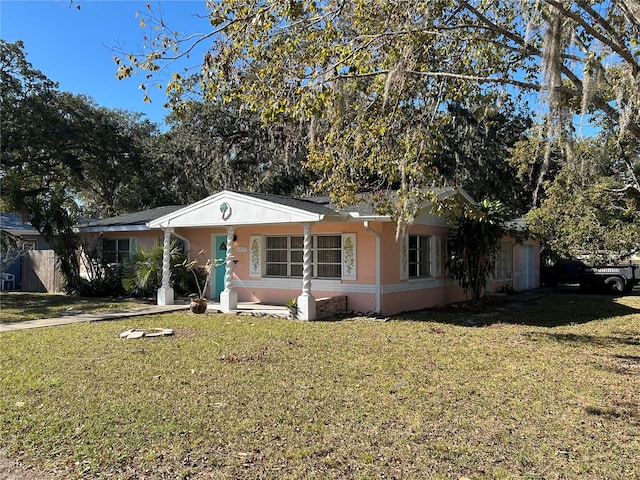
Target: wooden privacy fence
(39, 272)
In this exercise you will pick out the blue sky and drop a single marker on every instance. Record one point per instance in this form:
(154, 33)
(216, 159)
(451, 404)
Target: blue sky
(74, 47)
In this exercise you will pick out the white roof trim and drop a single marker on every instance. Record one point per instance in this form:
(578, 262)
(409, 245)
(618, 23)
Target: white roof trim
(369, 218)
(254, 213)
(114, 228)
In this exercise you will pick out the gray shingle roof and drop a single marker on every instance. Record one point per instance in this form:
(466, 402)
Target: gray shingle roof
(12, 223)
(133, 218)
(365, 208)
(305, 204)
(321, 204)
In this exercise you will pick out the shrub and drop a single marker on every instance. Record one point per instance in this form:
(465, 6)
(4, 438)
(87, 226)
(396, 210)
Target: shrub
(142, 272)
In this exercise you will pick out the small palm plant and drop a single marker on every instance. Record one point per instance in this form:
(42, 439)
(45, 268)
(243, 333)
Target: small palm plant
(200, 270)
(292, 305)
(142, 272)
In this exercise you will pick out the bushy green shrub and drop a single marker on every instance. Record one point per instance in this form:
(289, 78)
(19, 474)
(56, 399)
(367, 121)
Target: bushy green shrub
(142, 272)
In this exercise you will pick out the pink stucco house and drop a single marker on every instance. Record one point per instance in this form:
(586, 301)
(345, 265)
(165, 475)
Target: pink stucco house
(277, 248)
(122, 235)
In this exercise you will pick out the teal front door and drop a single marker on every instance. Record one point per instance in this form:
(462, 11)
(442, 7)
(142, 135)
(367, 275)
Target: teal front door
(218, 276)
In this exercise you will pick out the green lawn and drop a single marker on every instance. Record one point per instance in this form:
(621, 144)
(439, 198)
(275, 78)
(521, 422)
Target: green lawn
(544, 389)
(19, 306)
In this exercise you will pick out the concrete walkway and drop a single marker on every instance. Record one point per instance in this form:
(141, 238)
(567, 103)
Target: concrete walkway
(244, 308)
(91, 317)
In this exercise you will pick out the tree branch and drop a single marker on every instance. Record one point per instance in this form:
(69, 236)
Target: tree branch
(619, 49)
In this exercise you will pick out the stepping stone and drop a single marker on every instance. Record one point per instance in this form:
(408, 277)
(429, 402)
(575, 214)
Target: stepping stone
(159, 332)
(156, 332)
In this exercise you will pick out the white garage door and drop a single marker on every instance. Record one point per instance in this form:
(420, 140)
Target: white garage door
(527, 267)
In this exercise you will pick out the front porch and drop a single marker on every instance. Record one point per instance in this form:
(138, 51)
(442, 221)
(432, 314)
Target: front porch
(229, 212)
(325, 307)
(252, 309)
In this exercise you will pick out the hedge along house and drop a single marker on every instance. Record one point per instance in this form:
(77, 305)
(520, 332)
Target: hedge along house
(276, 248)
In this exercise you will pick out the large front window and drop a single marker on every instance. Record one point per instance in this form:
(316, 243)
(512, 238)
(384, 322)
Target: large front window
(419, 256)
(285, 256)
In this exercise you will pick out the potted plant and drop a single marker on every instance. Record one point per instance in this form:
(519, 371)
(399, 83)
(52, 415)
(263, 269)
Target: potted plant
(292, 305)
(198, 302)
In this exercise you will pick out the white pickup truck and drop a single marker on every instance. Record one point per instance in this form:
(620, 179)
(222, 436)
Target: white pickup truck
(615, 278)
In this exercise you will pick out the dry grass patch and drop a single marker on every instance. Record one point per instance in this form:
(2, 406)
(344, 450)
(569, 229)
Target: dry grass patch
(239, 397)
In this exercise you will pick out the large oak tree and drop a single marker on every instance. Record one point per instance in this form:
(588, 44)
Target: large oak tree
(61, 152)
(368, 78)
(211, 146)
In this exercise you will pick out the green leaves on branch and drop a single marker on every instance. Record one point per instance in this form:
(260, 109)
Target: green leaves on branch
(473, 242)
(366, 80)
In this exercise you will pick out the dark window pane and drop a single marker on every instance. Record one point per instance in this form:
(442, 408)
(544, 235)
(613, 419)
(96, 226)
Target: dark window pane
(276, 242)
(277, 269)
(329, 271)
(329, 256)
(332, 241)
(276, 256)
(297, 242)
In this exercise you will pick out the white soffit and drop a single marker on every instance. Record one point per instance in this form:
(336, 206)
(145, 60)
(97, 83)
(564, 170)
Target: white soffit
(232, 208)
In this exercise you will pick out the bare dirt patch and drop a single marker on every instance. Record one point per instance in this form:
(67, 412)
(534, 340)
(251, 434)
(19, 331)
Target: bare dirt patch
(13, 470)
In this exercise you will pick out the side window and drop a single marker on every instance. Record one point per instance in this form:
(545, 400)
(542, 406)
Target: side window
(115, 251)
(503, 261)
(181, 245)
(419, 256)
(30, 245)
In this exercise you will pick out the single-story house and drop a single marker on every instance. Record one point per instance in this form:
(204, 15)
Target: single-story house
(276, 248)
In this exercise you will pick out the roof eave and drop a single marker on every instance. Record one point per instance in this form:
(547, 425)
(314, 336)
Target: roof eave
(370, 218)
(114, 228)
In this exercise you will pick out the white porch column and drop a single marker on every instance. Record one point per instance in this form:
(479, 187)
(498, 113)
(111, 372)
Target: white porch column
(229, 297)
(165, 292)
(306, 301)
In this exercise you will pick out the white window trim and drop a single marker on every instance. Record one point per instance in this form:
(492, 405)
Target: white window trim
(430, 256)
(508, 247)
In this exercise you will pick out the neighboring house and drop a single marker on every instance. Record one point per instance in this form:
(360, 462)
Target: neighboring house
(118, 237)
(277, 248)
(30, 238)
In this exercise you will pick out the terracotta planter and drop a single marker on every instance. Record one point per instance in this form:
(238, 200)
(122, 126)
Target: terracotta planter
(198, 305)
